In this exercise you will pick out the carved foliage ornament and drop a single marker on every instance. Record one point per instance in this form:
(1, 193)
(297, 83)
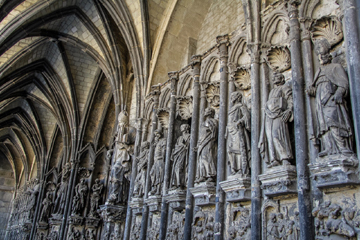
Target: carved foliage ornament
(163, 116)
(241, 78)
(213, 93)
(184, 107)
(278, 58)
(327, 27)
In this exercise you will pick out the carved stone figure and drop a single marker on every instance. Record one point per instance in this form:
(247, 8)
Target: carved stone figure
(90, 235)
(157, 170)
(46, 209)
(142, 160)
(33, 192)
(272, 228)
(207, 148)
(199, 229)
(180, 158)
(81, 190)
(95, 197)
(330, 87)
(238, 136)
(62, 189)
(120, 170)
(275, 132)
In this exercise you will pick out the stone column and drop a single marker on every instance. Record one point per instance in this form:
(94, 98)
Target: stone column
(145, 213)
(222, 45)
(301, 151)
(254, 49)
(352, 41)
(139, 131)
(174, 77)
(189, 208)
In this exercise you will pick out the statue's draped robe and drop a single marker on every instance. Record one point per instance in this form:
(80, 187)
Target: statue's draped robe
(276, 130)
(207, 148)
(238, 136)
(157, 170)
(180, 158)
(328, 80)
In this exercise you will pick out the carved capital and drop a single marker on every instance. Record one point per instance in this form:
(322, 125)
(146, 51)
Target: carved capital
(293, 10)
(155, 94)
(195, 63)
(223, 39)
(140, 122)
(305, 24)
(253, 49)
(174, 78)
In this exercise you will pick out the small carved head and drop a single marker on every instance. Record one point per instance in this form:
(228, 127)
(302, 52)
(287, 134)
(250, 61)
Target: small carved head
(236, 97)
(185, 128)
(97, 181)
(273, 217)
(157, 134)
(280, 216)
(322, 48)
(210, 112)
(145, 145)
(278, 78)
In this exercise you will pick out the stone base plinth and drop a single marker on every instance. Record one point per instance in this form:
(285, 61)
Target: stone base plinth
(176, 199)
(335, 171)
(279, 180)
(237, 189)
(204, 193)
(92, 222)
(112, 213)
(76, 220)
(154, 203)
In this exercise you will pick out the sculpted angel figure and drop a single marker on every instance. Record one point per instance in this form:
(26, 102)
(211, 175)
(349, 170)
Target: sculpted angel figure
(180, 158)
(61, 192)
(238, 136)
(330, 87)
(275, 132)
(207, 148)
(157, 170)
(142, 160)
(81, 190)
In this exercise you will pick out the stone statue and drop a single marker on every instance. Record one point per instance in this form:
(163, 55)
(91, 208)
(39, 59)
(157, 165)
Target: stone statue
(207, 148)
(238, 136)
(47, 204)
(272, 228)
(157, 170)
(81, 190)
(33, 192)
(142, 160)
(90, 235)
(275, 132)
(62, 189)
(180, 158)
(95, 197)
(330, 87)
(121, 167)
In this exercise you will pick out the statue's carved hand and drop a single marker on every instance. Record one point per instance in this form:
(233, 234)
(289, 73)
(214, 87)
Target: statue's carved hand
(286, 115)
(311, 91)
(338, 98)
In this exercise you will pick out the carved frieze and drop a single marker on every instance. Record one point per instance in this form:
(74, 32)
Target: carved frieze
(175, 229)
(240, 223)
(203, 225)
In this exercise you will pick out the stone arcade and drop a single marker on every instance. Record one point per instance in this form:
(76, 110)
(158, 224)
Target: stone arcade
(179, 119)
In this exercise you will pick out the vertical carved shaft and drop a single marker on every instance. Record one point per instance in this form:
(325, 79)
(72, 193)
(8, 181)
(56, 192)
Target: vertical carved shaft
(255, 134)
(196, 61)
(38, 208)
(304, 201)
(139, 131)
(223, 42)
(164, 206)
(352, 41)
(145, 212)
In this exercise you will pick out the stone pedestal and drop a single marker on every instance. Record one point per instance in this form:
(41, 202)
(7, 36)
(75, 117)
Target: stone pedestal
(237, 189)
(92, 222)
(204, 193)
(335, 171)
(279, 180)
(76, 220)
(176, 199)
(154, 203)
(136, 205)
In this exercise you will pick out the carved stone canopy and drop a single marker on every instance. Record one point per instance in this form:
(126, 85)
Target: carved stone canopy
(163, 116)
(184, 107)
(241, 78)
(213, 93)
(328, 27)
(278, 58)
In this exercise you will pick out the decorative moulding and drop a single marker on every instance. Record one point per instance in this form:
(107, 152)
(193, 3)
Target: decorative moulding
(328, 27)
(163, 116)
(213, 93)
(278, 58)
(184, 107)
(241, 78)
